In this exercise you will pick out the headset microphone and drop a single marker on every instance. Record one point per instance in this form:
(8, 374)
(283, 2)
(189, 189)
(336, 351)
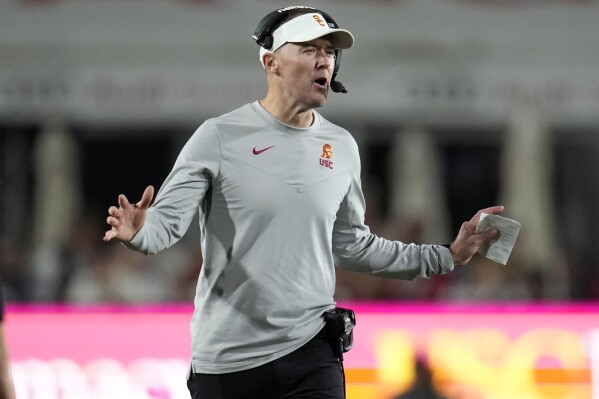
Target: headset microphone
(338, 87)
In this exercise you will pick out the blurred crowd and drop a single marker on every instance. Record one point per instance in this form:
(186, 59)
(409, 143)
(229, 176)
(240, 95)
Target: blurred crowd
(59, 256)
(88, 270)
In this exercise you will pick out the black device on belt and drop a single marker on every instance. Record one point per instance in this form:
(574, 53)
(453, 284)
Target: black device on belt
(339, 326)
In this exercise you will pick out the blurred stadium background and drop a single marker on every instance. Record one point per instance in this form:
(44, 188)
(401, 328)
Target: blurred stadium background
(456, 105)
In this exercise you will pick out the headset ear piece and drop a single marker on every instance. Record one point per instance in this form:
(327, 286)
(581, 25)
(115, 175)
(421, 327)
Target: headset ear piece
(267, 42)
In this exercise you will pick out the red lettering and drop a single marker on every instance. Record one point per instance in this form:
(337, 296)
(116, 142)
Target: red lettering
(326, 163)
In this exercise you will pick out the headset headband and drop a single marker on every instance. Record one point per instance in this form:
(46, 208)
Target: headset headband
(264, 31)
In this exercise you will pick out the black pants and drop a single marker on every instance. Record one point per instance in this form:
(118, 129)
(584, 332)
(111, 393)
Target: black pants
(311, 372)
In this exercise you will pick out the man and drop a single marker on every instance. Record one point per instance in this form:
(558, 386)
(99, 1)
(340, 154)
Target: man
(7, 388)
(278, 192)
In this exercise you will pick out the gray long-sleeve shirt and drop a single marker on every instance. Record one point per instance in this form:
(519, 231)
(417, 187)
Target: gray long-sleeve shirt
(279, 206)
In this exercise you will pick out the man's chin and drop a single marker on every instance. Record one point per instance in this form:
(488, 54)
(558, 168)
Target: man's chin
(319, 101)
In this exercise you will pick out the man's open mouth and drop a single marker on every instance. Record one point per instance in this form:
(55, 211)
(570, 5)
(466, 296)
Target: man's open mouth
(321, 82)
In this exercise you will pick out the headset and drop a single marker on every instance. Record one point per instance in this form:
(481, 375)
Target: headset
(263, 36)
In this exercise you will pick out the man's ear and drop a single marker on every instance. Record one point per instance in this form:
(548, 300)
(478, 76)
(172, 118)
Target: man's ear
(270, 62)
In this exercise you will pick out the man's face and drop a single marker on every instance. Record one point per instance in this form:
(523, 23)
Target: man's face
(306, 70)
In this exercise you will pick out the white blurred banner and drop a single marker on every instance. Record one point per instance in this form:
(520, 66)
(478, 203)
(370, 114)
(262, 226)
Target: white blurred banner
(167, 60)
(147, 94)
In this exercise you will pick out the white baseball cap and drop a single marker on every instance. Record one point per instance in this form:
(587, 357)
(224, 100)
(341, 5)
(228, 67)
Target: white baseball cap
(308, 27)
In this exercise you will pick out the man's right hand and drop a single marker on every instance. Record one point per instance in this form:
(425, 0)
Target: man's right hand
(468, 240)
(127, 219)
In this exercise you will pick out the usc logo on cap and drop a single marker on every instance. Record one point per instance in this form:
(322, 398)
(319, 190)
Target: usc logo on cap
(318, 19)
(327, 153)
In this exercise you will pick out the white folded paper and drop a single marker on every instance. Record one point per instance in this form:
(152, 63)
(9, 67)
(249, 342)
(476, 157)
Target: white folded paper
(500, 248)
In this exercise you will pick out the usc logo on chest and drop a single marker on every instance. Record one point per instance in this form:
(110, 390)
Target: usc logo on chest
(325, 158)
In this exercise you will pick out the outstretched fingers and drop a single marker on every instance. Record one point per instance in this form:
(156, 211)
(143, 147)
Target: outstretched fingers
(123, 202)
(126, 219)
(146, 198)
(115, 216)
(116, 212)
(109, 235)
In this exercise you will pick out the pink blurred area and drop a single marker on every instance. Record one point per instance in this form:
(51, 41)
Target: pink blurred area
(127, 333)
(87, 333)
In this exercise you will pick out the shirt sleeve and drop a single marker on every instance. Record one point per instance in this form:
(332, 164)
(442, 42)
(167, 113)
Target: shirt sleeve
(182, 192)
(356, 249)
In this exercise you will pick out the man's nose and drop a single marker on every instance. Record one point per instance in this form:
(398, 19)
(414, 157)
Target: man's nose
(324, 60)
